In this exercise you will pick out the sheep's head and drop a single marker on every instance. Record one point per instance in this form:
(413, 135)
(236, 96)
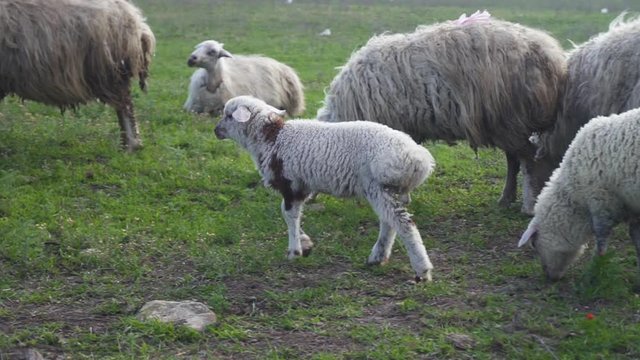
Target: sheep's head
(247, 119)
(557, 242)
(206, 54)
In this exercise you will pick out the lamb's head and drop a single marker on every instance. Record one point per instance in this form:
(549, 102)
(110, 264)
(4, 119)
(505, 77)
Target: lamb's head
(558, 240)
(249, 120)
(206, 54)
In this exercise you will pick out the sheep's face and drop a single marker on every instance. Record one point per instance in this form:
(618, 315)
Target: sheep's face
(245, 118)
(556, 248)
(206, 54)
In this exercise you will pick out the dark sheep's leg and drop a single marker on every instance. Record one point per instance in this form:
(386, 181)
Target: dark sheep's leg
(511, 181)
(129, 133)
(601, 225)
(634, 232)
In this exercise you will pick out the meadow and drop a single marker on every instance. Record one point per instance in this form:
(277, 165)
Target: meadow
(89, 233)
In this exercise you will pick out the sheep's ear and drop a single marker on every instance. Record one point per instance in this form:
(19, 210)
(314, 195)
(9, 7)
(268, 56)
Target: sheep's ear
(280, 112)
(531, 231)
(224, 53)
(242, 114)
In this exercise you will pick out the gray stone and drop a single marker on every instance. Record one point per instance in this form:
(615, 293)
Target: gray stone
(189, 313)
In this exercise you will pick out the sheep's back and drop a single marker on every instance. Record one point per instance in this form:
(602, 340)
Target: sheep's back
(603, 160)
(265, 78)
(67, 52)
(341, 158)
(451, 82)
(603, 78)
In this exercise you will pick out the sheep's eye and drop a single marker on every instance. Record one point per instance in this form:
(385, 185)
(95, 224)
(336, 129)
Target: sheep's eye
(211, 52)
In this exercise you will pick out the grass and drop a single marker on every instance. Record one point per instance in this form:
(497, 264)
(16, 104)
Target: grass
(88, 233)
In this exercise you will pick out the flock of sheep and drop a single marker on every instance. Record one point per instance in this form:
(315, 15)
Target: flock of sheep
(490, 82)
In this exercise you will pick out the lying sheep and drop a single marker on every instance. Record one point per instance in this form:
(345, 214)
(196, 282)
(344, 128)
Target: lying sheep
(603, 78)
(490, 82)
(596, 186)
(223, 76)
(68, 52)
(349, 159)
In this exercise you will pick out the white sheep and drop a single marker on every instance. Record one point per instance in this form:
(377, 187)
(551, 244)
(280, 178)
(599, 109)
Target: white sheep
(222, 76)
(68, 52)
(356, 158)
(488, 81)
(596, 186)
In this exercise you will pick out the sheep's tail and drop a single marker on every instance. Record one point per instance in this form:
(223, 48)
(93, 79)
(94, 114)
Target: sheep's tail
(148, 44)
(294, 91)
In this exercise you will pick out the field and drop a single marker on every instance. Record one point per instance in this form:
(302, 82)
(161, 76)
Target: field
(89, 233)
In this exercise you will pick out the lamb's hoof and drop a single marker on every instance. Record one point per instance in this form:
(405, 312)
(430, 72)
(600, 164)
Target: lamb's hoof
(375, 261)
(292, 254)
(425, 278)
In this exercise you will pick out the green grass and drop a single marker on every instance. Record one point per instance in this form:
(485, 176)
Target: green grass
(88, 233)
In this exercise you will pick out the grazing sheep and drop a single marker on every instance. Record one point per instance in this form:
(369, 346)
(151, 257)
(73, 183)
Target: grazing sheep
(223, 76)
(596, 186)
(490, 82)
(356, 158)
(603, 78)
(68, 52)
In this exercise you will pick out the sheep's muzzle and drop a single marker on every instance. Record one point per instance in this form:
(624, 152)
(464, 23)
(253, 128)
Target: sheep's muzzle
(220, 133)
(192, 61)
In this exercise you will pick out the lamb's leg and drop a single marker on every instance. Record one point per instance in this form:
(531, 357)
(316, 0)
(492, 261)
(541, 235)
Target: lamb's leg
(129, 133)
(299, 243)
(601, 225)
(391, 211)
(511, 181)
(634, 232)
(382, 249)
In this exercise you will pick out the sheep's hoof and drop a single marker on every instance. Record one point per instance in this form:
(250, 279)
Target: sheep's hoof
(306, 252)
(292, 254)
(505, 201)
(426, 278)
(383, 261)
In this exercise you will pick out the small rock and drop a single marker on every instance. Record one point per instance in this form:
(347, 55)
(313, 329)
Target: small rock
(189, 313)
(461, 341)
(325, 32)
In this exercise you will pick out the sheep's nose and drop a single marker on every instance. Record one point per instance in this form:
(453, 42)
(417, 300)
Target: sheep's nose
(192, 60)
(219, 133)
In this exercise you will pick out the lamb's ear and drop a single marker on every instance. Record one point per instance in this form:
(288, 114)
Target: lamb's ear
(224, 53)
(531, 231)
(242, 114)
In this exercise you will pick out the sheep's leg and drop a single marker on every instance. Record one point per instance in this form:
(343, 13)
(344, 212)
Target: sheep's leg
(382, 249)
(634, 232)
(391, 211)
(129, 133)
(511, 181)
(299, 242)
(601, 225)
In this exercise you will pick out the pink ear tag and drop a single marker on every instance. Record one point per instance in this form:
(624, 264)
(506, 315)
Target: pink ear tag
(241, 114)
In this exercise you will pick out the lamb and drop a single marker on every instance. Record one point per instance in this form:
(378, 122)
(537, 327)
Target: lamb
(68, 52)
(596, 186)
(488, 81)
(223, 76)
(365, 159)
(603, 78)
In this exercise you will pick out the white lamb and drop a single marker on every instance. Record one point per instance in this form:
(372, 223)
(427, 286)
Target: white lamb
(356, 158)
(223, 76)
(596, 186)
